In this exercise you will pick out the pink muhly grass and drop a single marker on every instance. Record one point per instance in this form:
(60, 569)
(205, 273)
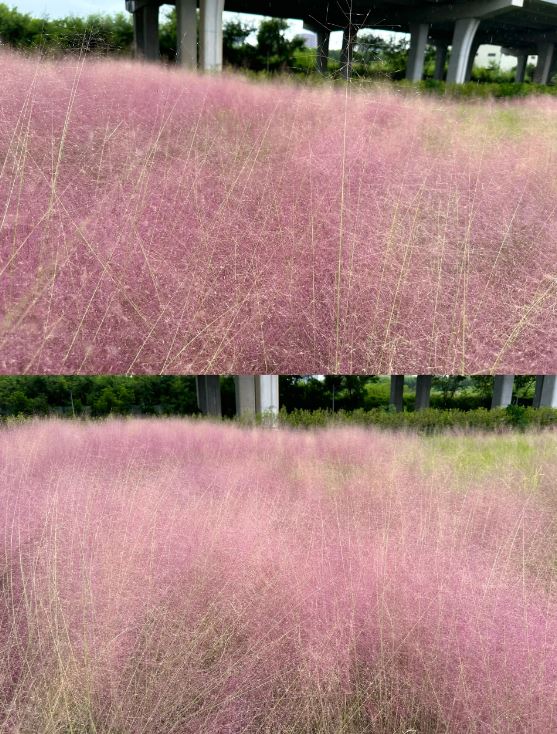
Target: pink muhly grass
(158, 221)
(174, 576)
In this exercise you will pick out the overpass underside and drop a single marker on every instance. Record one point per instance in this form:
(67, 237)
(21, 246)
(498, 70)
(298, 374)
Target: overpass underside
(522, 27)
(259, 395)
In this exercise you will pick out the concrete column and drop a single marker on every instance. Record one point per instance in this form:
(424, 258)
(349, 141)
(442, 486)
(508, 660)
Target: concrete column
(208, 395)
(347, 53)
(323, 40)
(267, 397)
(186, 33)
(245, 395)
(546, 391)
(441, 53)
(210, 35)
(473, 53)
(138, 33)
(521, 64)
(416, 56)
(538, 391)
(463, 40)
(151, 33)
(502, 391)
(546, 51)
(397, 390)
(423, 391)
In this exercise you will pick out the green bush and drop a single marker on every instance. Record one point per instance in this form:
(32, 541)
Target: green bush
(427, 421)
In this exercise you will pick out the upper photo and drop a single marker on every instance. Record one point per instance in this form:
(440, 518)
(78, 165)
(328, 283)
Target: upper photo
(278, 186)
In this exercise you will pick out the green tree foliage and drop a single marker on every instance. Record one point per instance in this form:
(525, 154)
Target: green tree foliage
(274, 52)
(99, 33)
(97, 396)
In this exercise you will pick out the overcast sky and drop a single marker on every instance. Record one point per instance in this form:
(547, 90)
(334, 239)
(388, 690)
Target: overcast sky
(61, 8)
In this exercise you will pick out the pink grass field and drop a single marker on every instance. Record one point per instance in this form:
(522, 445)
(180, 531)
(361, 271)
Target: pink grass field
(154, 221)
(180, 577)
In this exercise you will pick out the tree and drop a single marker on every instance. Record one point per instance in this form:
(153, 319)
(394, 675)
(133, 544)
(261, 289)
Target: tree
(274, 52)
(236, 52)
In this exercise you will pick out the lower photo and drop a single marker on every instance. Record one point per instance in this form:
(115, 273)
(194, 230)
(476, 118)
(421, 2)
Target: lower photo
(295, 554)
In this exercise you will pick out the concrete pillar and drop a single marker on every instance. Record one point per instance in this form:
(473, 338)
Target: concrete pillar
(208, 395)
(347, 53)
(441, 53)
(473, 53)
(138, 33)
(521, 64)
(245, 395)
(186, 33)
(538, 391)
(546, 51)
(323, 40)
(397, 390)
(546, 391)
(151, 48)
(416, 56)
(267, 397)
(463, 40)
(502, 391)
(423, 391)
(210, 35)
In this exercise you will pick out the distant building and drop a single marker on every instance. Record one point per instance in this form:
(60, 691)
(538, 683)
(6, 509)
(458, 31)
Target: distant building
(309, 39)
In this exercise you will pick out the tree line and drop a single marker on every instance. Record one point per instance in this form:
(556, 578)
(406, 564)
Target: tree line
(264, 48)
(99, 396)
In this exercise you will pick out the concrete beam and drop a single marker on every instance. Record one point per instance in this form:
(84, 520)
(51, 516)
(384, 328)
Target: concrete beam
(544, 66)
(208, 395)
(423, 391)
(416, 56)
(463, 41)
(397, 391)
(186, 33)
(458, 11)
(441, 53)
(210, 35)
(502, 391)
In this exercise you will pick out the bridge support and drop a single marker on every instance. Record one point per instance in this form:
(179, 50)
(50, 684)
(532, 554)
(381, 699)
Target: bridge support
(323, 41)
(146, 32)
(210, 35)
(463, 41)
(546, 391)
(502, 391)
(423, 391)
(257, 396)
(473, 53)
(186, 33)
(347, 52)
(397, 391)
(267, 397)
(441, 53)
(546, 51)
(245, 396)
(416, 57)
(521, 65)
(208, 395)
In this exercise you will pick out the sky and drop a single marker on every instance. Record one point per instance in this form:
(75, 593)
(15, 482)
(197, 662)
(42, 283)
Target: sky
(61, 8)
